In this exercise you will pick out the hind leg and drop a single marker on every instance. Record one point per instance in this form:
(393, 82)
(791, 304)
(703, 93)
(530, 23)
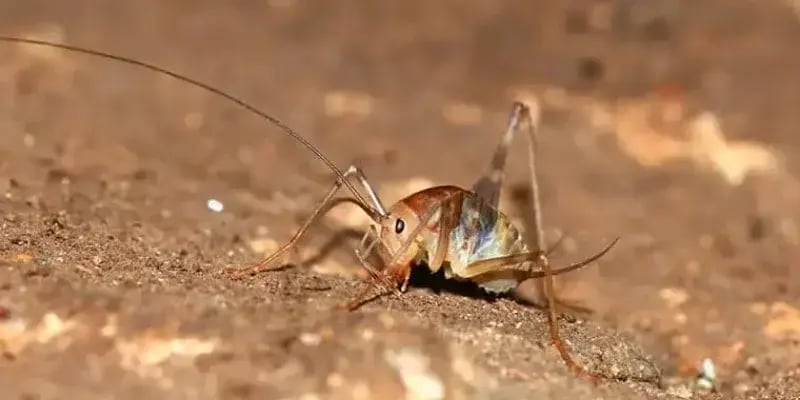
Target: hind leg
(488, 186)
(531, 117)
(540, 301)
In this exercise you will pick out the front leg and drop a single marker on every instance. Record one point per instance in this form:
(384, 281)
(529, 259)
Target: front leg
(399, 271)
(387, 282)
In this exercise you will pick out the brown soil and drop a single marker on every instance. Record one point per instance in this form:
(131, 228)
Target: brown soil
(110, 283)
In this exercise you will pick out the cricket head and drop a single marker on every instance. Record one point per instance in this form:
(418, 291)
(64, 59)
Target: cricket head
(404, 232)
(400, 242)
(411, 225)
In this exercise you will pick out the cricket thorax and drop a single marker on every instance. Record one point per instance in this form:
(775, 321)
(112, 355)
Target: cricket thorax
(476, 232)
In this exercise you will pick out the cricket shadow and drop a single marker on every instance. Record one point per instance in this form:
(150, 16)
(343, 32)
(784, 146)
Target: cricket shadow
(423, 278)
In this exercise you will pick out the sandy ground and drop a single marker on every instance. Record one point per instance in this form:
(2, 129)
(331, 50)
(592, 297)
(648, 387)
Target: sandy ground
(669, 124)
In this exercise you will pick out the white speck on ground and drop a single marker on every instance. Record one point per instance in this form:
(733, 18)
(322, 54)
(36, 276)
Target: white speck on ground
(215, 205)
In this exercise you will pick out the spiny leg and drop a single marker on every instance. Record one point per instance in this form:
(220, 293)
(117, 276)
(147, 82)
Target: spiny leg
(532, 119)
(553, 323)
(512, 262)
(515, 262)
(386, 282)
(372, 272)
(363, 251)
(380, 280)
(489, 185)
(561, 304)
(359, 300)
(401, 272)
(448, 219)
(268, 262)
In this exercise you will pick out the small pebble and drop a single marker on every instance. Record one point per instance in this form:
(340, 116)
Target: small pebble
(215, 205)
(707, 374)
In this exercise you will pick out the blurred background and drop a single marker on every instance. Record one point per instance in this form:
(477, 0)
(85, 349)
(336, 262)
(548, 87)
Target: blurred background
(671, 124)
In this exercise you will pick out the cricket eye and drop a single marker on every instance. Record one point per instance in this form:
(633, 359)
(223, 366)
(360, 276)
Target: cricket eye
(399, 226)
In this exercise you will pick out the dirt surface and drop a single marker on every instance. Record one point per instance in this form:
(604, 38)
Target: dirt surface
(669, 124)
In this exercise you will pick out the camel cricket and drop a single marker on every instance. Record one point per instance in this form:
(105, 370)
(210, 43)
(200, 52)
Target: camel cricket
(459, 231)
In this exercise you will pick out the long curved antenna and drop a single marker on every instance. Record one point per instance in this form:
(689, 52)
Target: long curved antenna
(576, 265)
(241, 103)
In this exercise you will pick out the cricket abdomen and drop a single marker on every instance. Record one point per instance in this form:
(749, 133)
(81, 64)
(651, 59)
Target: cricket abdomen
(489, 234)
(480, 232)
